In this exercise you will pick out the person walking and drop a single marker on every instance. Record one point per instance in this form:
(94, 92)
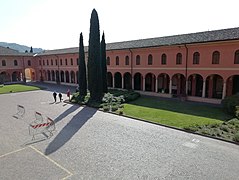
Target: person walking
(54, 96)
(60, 96)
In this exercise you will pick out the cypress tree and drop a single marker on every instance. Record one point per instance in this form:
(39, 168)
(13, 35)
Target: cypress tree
(31, 50)
(103, 62)
(82, 69)
(94, 61)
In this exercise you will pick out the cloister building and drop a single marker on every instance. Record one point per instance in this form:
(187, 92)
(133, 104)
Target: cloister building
(200, 66)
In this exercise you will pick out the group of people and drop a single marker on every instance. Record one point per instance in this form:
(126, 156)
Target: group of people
(68, 93)
(55, 95)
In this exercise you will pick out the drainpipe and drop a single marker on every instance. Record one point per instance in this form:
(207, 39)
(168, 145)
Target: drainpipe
(186, 69)
(131, 68)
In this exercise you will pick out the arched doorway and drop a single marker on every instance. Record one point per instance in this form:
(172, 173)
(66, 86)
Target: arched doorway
(67, 77)
(214, 86)
(15, 76)
(57, 77)
(232, 85)
(53, 75)
(30, 74)
(163, 83)
(178, 84)
(127, 81)
(48, 75)
(150, 82)
(109, 79)
(118, 80)
(4, 77)
(72, 77)
(62, 76)
(137, 81)
(195, 85)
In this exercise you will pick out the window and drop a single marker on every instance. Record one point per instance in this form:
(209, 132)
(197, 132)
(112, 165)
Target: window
(77, 61)
(117, 60)
(163, 59)
(40, 62)
(126, 60)
(215, 57)
(51, 62)
(71, 61)
(236, 58)
(108, 60)
(179, 58)
(137, 60)
(15, 63)
(43, 62)
(56, 62)
(47, 62)
(150, 59)
(196, 58)
(3, 63)
(29, 63)
(66, 62)
(61, 62)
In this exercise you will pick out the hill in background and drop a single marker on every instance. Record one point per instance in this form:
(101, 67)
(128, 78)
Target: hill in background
(20, 48)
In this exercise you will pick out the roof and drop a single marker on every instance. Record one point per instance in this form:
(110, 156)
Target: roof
(199, 37)
(5, 51)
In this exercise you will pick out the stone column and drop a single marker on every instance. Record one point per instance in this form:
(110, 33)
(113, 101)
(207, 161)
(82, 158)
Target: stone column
(143, 84)
(156, 85)
(122, 83)
(132, 83)
(186, 88)
(170, 86)
(224, 90)
(113, 82)
(204, 89)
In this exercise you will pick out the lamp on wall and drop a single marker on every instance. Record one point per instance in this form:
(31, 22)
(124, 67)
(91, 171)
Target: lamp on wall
(41, 77)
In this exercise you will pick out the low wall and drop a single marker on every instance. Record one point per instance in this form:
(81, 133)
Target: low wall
(205, 100)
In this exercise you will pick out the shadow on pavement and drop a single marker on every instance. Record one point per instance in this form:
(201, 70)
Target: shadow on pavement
(66, 113)
(70, 129)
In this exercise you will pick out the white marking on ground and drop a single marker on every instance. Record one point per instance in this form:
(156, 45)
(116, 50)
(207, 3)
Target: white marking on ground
(190, 145)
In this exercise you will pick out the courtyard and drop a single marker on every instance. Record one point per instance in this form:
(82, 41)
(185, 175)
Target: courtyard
(90, 144)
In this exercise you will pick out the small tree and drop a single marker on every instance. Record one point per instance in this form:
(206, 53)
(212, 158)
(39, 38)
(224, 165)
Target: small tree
(31, 50)
(103, 62)
(82, 69)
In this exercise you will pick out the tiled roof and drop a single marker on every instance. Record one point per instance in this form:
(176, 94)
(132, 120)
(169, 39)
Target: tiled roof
(12, 52)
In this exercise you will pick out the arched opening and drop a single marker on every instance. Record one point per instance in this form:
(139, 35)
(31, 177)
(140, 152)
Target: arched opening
(118, 80)
(232, 85)
(15, 76)
(163, 83)
(4, 77)
(178, 84)
(127, 81)
(150, 82)
(195, 85)
(30, 74)
(53, 75)
(137, 81)
(109, 79)
(48, 75)
(214, 86)
(67, 77)
(72, 77)
(44, 74)
(62, 76)
(57, 77)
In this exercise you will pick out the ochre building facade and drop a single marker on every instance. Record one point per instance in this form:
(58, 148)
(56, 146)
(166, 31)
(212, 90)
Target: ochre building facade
(200, 66)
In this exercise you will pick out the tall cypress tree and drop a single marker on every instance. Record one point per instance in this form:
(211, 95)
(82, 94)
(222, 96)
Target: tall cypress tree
(82, 69)
(94, 61)
(103, 62)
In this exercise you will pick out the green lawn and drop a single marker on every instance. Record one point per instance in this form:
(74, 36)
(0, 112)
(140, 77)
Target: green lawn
(174, 113)
(16, 88)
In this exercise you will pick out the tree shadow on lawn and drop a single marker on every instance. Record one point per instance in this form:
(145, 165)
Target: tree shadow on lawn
(184, 107)
(70, 129)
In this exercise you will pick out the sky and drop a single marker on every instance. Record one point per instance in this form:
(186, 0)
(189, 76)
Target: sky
(55, 24)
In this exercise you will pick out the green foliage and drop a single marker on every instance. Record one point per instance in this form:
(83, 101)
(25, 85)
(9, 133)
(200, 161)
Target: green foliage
(82, 69)
(229, 103)
(237, 112)
(94, 63)
(236, 137)
(103, 61)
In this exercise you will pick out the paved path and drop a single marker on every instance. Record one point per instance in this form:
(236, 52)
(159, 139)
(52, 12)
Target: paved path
(90, 144)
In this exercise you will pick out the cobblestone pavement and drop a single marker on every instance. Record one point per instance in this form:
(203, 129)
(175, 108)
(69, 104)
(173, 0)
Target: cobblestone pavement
(90, 144)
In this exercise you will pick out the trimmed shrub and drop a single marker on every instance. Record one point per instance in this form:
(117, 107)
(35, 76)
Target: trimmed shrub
(236, 137)
(229, 103)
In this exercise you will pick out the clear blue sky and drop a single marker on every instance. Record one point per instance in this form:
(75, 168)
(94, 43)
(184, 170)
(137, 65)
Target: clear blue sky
(53, 24)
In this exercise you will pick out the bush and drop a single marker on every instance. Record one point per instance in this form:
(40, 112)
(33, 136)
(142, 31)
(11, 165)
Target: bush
(237, 112)
(236, 137)
(229, 103)
(106, 108)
